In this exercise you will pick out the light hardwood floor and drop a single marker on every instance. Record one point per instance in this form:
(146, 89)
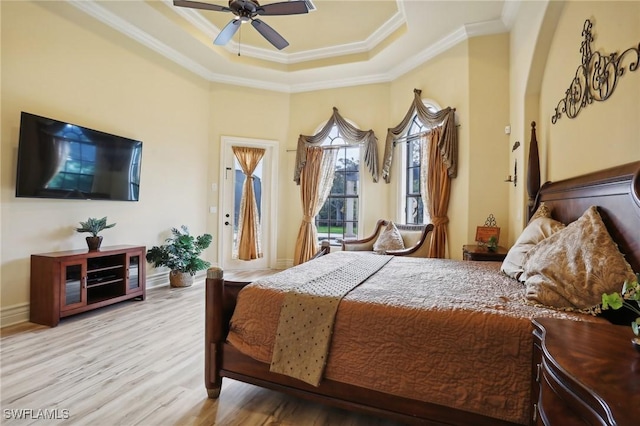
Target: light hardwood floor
(137, 363)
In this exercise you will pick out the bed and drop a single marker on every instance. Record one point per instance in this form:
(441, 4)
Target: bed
(465, 361)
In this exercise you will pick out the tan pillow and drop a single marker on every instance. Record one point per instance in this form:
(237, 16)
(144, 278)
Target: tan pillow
(573, 267)
(389, 239)
(542, 211)
(537, 230)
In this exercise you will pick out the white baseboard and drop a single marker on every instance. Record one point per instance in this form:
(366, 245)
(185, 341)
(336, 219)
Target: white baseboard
(15, 314)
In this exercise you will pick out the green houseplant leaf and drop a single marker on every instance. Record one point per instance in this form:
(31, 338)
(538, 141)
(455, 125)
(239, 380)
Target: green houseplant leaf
(628, 298)
(94, 226)
(181, 251)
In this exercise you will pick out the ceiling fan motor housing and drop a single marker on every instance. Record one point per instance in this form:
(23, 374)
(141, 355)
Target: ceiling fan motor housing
(245, 10)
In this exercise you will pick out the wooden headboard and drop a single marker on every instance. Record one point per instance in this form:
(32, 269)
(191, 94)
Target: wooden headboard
(616, 192)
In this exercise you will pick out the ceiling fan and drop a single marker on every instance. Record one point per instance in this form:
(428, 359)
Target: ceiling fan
(247, 10)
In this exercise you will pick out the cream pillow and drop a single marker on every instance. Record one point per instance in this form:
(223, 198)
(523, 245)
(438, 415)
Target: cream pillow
(573, 267)
(537, 230)
(389, 239)
(542, 211)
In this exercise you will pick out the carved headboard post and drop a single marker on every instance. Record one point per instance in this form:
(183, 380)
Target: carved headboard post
(533, 172)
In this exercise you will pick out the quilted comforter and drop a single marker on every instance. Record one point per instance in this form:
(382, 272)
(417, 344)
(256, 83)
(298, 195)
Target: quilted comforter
(448, 332)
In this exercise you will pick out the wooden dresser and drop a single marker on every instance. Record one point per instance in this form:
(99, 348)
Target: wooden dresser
(584, 374)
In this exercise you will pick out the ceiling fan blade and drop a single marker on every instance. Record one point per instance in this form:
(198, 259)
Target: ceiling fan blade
(270, 34)
(227, 32)
(200, 5)
(283, 8)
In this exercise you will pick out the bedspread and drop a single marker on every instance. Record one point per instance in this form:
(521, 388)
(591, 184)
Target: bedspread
(448, 332)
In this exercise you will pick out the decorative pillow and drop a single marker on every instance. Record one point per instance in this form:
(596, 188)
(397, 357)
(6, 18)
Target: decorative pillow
(389, 239)
(542, 211)
(573, 267)
(537, 230)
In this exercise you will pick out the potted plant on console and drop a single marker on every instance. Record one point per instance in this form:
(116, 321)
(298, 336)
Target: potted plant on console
(630, 293)
(94, 226)
(181, 254)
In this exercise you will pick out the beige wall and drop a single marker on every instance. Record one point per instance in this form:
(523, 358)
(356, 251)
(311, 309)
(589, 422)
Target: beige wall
(58, 62)
(604, 134)
(545, 53)
(54, 65)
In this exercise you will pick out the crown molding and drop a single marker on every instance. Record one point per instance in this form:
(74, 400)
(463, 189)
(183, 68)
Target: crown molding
(98, 12)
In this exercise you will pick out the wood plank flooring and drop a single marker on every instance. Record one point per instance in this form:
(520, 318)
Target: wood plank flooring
(136, 363)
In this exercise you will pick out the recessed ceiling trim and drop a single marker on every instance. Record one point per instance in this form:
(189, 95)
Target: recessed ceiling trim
(98, 12)
(510, 13)
(343, 82)
(211, 31)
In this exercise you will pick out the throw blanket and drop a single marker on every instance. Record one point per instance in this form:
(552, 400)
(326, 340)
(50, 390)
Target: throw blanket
(307, 316)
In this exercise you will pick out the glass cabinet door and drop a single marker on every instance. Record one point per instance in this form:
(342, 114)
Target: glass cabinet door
(133, 273)
(73, 292)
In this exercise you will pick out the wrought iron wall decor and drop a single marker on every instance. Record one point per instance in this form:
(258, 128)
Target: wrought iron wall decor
(596, 78)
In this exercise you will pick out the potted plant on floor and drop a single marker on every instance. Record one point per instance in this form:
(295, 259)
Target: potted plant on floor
(94, 226)
(181, 254)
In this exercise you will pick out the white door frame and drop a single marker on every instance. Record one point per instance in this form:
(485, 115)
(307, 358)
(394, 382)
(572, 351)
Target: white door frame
(269, 192)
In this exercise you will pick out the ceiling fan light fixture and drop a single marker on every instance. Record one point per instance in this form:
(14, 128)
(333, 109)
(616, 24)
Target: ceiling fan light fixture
(246, 11)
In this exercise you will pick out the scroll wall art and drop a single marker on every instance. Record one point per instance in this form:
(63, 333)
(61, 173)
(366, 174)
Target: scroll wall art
(596, 78)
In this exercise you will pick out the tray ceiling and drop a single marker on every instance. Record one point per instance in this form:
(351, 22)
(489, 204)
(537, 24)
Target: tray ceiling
(340, 43)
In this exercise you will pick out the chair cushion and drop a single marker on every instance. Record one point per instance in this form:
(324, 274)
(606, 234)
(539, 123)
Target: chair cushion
(389, 239)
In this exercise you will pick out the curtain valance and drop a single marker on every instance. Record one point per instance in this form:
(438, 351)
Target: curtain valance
(447, 144)
(351, 135)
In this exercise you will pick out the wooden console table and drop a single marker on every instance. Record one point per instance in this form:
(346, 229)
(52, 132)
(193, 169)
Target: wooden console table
(584, 374)
(65, 283)
(475, 252)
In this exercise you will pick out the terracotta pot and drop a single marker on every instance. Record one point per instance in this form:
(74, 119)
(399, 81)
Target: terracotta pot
(94, 243)
(180, 279)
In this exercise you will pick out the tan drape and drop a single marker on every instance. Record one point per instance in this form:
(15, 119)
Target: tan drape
(437, 190)
(447, 144)
(316, 180)
(249, 246)
(351, 135)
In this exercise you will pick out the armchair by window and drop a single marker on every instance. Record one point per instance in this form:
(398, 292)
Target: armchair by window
(416, 239)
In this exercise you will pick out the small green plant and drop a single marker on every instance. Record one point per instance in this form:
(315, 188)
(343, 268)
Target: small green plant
(94, 226)
(629, 298)
(181, 251)
(492, 244)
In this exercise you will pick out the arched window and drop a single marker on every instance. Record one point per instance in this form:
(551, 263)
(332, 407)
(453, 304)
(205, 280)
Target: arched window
(411, 203)
(338, 218)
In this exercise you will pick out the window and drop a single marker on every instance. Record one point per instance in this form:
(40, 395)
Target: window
(78, 165)
(337, 220)
(411, 203)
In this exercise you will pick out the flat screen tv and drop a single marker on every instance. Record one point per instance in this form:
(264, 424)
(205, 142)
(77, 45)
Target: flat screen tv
(63, 160)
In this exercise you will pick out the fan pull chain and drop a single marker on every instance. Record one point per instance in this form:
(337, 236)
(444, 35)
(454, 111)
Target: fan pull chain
(239, 39)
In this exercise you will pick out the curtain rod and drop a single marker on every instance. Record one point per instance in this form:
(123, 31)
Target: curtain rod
(323, 147)
(407, 138)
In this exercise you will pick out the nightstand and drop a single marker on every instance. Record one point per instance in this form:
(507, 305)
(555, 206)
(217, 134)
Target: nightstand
(584, 373)
(474, 252)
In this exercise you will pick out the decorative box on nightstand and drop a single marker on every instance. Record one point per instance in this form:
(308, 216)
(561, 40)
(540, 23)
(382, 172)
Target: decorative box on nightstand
(475, 252)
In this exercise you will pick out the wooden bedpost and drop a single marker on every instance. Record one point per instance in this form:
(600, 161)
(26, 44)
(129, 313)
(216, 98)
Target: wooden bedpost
(533, 172)
(214, 331)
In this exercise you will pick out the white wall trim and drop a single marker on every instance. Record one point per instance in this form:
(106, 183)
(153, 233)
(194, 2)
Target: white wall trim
(14, 314)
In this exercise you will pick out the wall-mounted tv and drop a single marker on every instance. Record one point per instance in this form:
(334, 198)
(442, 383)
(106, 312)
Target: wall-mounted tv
(63, 160)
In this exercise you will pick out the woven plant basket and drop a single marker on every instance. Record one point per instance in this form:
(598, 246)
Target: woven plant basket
(180, 279)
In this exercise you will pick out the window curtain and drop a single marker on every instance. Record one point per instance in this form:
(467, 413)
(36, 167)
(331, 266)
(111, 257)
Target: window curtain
(448, 139)
(249, 244)
(316, 180)
(435, 187)
(352, 136)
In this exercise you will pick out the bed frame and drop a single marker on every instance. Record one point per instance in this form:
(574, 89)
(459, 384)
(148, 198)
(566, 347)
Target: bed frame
(616, 190)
